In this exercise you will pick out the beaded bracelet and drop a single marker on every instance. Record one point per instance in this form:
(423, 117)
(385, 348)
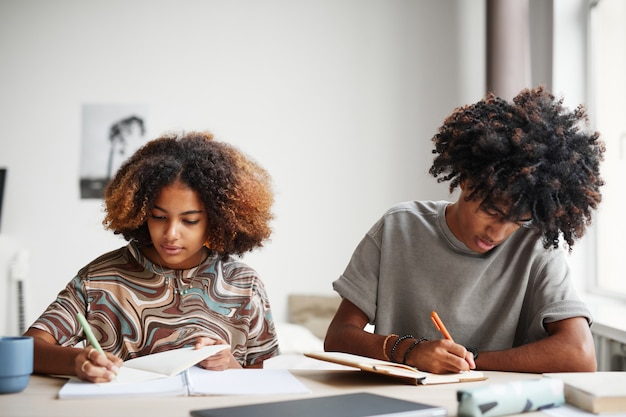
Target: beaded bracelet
(395, 346)
(385, 346)
(410, 348)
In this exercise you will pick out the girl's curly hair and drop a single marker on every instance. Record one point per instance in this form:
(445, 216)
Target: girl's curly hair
(236, 191)
(528, 156)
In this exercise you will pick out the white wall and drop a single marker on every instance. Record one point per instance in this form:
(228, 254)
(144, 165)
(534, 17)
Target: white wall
(338, 99)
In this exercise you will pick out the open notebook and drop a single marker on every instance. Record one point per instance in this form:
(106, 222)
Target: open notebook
(397, 370)
(173, 373)
(194, 381)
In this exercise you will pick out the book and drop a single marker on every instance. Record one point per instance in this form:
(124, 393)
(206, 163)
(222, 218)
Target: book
(397, 370)
(194, 381)
(597, 392)
(360, 404)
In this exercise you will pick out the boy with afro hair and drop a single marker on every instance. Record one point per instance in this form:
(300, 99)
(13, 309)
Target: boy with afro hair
(491, 264)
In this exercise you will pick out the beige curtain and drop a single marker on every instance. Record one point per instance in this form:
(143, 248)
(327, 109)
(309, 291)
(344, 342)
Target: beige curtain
(508, 47)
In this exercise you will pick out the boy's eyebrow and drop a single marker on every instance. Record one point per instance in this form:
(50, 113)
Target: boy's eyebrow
(523, 219)
(496, 209)
(505, 215)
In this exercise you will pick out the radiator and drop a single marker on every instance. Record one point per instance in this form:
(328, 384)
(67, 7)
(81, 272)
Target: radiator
(610, 347)
(13, 271)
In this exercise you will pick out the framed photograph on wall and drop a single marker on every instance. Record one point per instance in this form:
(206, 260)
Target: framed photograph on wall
(110, 134)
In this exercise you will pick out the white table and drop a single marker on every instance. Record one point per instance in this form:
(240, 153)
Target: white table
(39, 398)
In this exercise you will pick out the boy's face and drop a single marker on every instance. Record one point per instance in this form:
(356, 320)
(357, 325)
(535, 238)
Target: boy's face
(478, 229)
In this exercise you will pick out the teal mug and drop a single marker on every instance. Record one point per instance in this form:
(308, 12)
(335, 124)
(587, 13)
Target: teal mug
(16, 363)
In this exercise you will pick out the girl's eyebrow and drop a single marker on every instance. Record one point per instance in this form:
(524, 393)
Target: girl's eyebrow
(183, 213)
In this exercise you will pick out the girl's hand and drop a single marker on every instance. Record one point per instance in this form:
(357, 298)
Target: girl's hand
(91, 365)
(223, 359)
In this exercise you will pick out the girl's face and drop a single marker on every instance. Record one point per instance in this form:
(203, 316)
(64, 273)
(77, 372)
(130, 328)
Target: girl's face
(178, 227)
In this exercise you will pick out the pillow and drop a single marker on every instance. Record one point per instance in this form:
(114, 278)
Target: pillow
(293, 338)
(315, 312)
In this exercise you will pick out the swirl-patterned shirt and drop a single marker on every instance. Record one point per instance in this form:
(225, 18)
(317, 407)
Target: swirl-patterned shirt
(135, 308)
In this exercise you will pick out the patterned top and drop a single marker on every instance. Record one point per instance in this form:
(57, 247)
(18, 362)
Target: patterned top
(135, 308)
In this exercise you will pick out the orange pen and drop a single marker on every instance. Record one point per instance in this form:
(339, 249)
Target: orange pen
(439, 325)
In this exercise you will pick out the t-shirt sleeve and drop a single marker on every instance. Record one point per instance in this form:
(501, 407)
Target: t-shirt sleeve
(554, 297)
(359, 282)
(262, 338)
(59, 319)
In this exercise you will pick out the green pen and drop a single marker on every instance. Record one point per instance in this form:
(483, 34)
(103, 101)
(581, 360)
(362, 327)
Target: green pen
(88, 333)
(90, 336)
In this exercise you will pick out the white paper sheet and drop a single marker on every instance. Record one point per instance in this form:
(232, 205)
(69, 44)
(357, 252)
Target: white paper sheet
(245, 382)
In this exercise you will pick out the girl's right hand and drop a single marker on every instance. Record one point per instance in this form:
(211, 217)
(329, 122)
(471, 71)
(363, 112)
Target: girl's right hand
(93, 366)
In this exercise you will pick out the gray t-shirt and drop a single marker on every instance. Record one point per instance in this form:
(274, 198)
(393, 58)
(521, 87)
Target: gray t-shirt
(410, 263)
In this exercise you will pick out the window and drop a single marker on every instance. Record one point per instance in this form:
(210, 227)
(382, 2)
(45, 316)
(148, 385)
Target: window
(607, 72)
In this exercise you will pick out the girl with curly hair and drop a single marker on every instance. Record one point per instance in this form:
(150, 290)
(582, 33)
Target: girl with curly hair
(186, 204)
(490, 263)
